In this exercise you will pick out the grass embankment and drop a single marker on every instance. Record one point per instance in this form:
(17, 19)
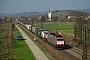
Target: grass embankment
(22, 51)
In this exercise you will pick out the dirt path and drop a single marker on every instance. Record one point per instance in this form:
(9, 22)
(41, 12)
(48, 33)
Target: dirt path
(36, 51)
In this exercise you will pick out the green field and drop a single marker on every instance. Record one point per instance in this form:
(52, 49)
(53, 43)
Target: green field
(66, 28)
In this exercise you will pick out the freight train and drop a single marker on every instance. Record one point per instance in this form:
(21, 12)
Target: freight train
(53, 39)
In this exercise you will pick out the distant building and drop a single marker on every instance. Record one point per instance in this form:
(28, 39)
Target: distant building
(88, 17)
(38, 17)
(49, 15)
(1, 20)
(72, 17)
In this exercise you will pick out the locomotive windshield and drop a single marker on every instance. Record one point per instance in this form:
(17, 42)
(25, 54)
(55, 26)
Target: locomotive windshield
(59, 39)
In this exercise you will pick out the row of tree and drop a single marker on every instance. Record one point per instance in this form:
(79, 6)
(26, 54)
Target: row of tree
(80, 22)
(6, 37)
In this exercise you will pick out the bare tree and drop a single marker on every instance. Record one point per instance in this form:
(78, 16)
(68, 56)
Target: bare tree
(78, 27)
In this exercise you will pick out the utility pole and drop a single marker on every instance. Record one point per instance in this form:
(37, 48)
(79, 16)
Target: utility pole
(26, 20)
(59, 27)
(59, 24)
(42, 19)
(84, 57)
(41, 23)
(35, 38)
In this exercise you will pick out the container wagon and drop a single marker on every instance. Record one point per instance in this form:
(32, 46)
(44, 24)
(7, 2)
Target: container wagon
(43, 33)
(27, 26)
(39, 32)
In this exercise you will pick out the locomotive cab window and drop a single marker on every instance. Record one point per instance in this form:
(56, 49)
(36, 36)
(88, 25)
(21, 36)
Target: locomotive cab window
(59, 39)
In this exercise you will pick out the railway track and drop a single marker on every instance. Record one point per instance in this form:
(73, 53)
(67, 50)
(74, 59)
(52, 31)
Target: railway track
(77, 52)
(69, 54)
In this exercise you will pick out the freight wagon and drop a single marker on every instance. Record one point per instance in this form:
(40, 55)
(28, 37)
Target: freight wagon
(40, 31)
(27, 26)
(43, 34)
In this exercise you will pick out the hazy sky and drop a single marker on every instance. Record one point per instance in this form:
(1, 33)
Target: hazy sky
(17, 6)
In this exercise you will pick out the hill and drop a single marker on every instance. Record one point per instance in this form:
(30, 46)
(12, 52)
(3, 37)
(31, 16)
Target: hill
(63, 12)
(85, 10)
(54, 13)
(20, 14)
